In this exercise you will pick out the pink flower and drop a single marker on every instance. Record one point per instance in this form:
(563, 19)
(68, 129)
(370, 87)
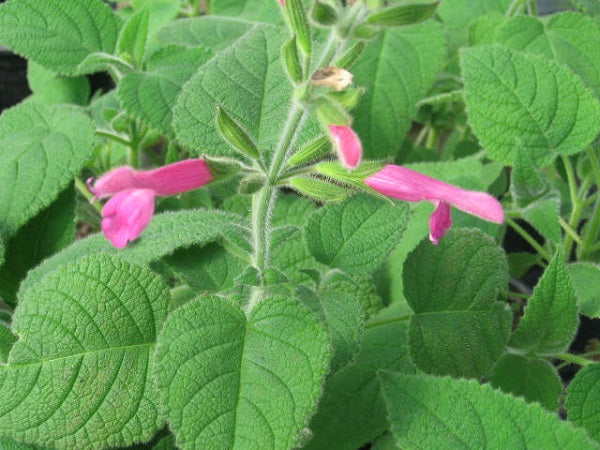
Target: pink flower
(131, 207)
(408, 185)
(347, 144)
(282, 2)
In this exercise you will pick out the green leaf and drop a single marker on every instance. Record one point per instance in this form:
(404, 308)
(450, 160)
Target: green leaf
(229, 382)
(429, 412)
(78, 377)
(52, 89)
(41, 149)
(393, 85)
(358, 285)
(568, 38)
(133, 36)
(585, 278)
(48, 232)
(58, 35)
(536, 380)
(150, 95)
(550, 317)
(351, 411)
(543, 215)
(459, 328)
(484, 30)
(583, 400)
(395, 16)
(166, 443)
(291, 210)
(526, 184)
(356, 235)
(161, 12)
(166, 233)
(341, 315)
(210, 268)
(522, 102)
(318, 189)
(458, 15)
(256, 10)
(9, 444)
(289, 253)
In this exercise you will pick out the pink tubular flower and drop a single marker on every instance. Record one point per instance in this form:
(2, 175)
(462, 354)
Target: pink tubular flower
(408, 185)
(131, 207)
(347, 144)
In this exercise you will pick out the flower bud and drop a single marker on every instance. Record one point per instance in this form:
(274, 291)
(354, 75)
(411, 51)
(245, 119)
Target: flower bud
(289, 54)
(399, 15)
(311, 151)
(319, 190)
(297, 22)
(323, 14)
(234, 135)
(348, 59)
(332, 77)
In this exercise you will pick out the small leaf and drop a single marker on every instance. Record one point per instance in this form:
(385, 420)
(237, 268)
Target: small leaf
(526, 184)
(133, 36)
(360, 286)
(395, 16)
(234, 134)
(585, 278)
(318, 190)
(355, 236)
(291, 61)
(52, 89)
(79, 374)
(459, 328)
(543, 215)
(430, 412)
(550, 318)
(229, 382)
(53, 143)
(56, 34)
(351, 411)
(150, 95)
(536, 380)
(583, 400)
(393, 85)
(522, 102)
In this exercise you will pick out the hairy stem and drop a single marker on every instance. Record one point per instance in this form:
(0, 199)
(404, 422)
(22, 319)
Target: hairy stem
(593, 228)
(530, 240)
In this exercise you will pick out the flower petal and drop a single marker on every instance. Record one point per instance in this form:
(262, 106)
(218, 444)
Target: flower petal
(175, 178)
(439, 221)
(348, 145)
(405, 184)
(126, 214)
(116, 180)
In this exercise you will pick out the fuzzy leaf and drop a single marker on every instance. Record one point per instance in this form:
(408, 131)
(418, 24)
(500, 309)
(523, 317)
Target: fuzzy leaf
(536, 380)
(585, 278)
(58, 35)
(41, 149)
(428, 412)
(232, 383)
(583, 400)
(133, 36)
(78, 377)
(459, 328)
(356, 235)
(52, 89)
(7, 339)
(150, 95)
(568, 38)
(550, 318)
(393, 85)
(522, 102)
(351, 411)
(166, 233)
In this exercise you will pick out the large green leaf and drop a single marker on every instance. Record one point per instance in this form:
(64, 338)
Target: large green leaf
(428, 412)
(583, 400)
(257, 10)
(523, 102)
(41, 149)
(165, 234)
(52, 89)
(48, 232)
(585, 278)
(356, 235)
(237, 383)
(78, 377)
(150, 95)
(351, 411)
(550, 318)
(58, 34)
(569, 38)
(247, 80)
(396, 70)
(458, 328)
(536, 380)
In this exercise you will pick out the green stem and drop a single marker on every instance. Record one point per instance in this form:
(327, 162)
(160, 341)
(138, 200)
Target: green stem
(113, 137)
(570, 231)
(530, 240)
(431, 139)
(574, 359)
(594, 226)
(387, 320)
(82, 188)
(575, 201)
